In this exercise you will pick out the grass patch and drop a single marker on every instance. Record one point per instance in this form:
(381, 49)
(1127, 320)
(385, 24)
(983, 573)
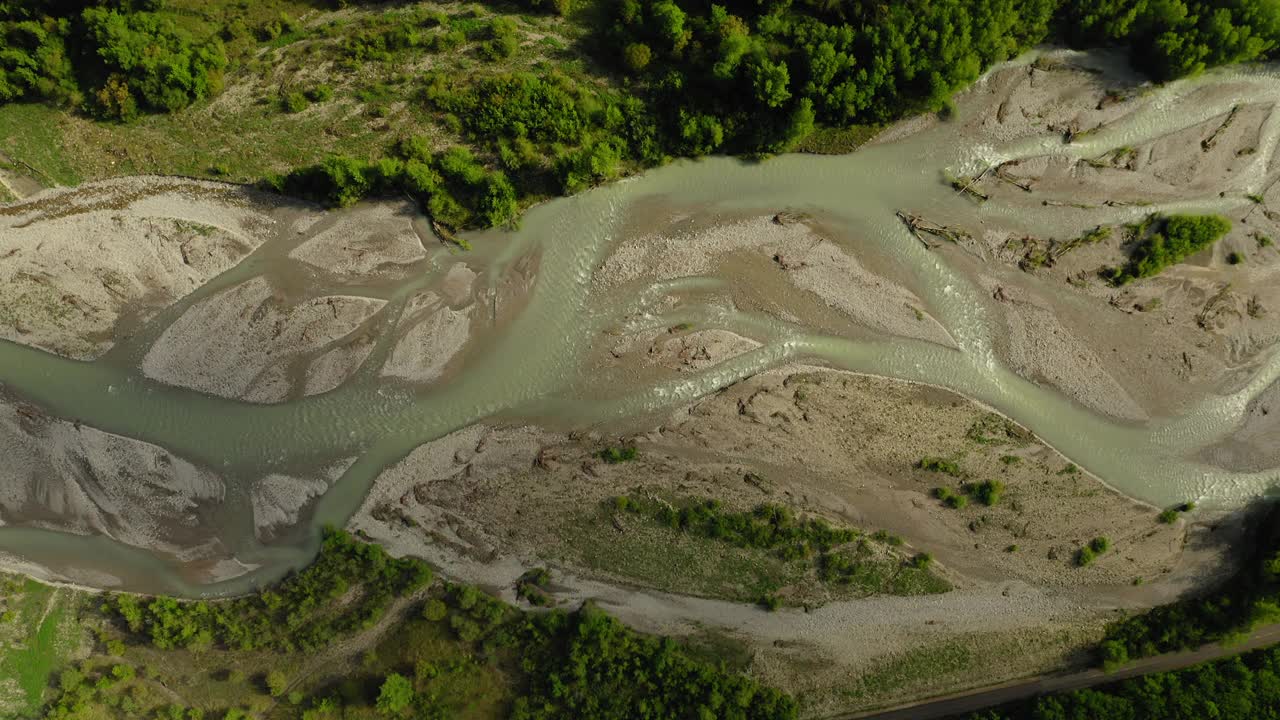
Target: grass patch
(939, 465)
(766, 555)
(995, 429)
(667, 560)
(837, 141)
(33, 641)
(615, 455)
(910, 669)
(31, 135)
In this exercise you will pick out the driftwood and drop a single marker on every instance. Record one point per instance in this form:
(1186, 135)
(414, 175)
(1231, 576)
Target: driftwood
(1003, 173)
(969, 189)
(1060, 203)
(1207, 144)
(921, 227)
(788, 217)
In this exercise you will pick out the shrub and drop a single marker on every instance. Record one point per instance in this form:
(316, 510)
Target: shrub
(1168, 516)
(1085, 556)
(637, 56)
(396, 695)
(770, 602)
(939, 465)
(615, 455)
(1113, 654)
(950, 498)
(988, 492)
(1100, 545)
(295, 102)
(1234, 258)
(277, 683)
(320, 93)
(435, 610)
(922, 561)
(1178, 237)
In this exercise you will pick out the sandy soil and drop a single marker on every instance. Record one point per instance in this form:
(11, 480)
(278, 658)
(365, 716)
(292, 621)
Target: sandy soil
(77, 262)
(379, 238)
(73, 478)
(1205, 322)
(242, 342)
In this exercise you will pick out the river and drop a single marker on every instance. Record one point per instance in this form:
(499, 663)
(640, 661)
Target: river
(534, 367)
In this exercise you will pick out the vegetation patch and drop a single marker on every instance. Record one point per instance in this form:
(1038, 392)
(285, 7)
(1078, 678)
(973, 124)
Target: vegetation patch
(951, 498)
(1161, 241)
(796, 548)
(939, 465)
(298, 614)
(1238, 688)
(37, 628)
(615, 455)
(451, 651)
(1096, 547)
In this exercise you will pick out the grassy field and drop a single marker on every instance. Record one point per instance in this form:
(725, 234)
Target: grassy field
(39, 632)
(634, 548)
(663, 559)
(32, 139)
(247, 133)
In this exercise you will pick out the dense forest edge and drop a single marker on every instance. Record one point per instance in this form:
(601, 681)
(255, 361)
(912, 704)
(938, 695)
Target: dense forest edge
(442, 650)
(643, 82)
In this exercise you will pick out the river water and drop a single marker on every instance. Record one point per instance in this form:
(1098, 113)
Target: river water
(534, 366)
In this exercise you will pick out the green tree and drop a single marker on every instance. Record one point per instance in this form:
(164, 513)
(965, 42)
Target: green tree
(395, 696)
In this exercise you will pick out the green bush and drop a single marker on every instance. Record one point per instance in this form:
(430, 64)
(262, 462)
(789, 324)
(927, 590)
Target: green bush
(160, 66)
(320, 93)
(939, 465)
(1236, 688)
(950, 498)
(435, 610)
(1085, 556)
(295, 102)
(615, 455)
(277, 683)
(988, 492)
(1175, 238)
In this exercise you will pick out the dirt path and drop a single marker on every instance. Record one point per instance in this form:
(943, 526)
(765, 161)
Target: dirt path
(1021, 690)
(347, 648)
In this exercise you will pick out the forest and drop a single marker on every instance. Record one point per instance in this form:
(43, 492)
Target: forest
(1239, 688)
(681, 77)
